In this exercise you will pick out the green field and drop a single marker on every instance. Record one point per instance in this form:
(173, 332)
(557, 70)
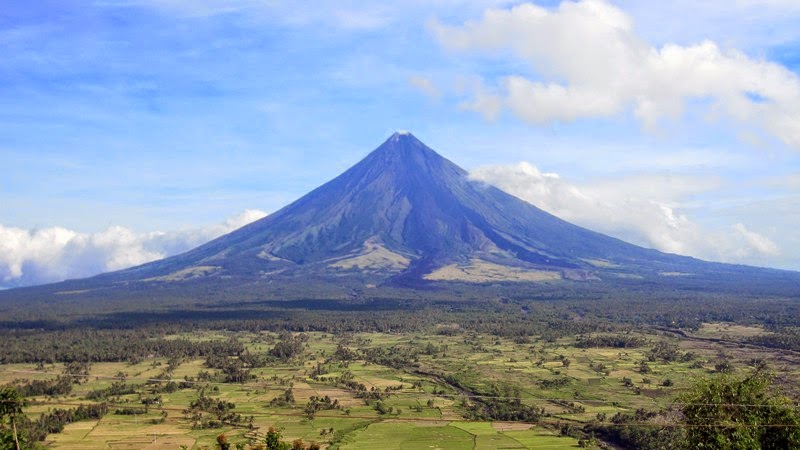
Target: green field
(417, 390)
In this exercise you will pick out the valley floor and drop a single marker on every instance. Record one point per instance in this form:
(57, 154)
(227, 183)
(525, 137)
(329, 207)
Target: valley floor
(446, 389)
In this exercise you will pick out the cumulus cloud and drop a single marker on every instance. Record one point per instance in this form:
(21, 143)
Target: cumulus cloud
(645, 210)
(29, 257)
(588, 62)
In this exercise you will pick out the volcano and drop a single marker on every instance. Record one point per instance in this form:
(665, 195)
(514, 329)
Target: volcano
(404, 216)
(405, 213)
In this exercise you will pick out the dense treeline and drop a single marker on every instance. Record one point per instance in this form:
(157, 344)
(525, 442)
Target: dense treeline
(784, 338)
(603, 321)
(612, 341)
(398, 356)
(55, 421)
(90, 345)
(504, 311)
(101, 345)
(51, 388)
(503, 410)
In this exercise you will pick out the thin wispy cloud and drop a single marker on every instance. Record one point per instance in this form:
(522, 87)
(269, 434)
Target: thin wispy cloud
(425, 86)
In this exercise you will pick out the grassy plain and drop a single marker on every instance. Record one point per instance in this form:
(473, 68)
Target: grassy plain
(425, 385)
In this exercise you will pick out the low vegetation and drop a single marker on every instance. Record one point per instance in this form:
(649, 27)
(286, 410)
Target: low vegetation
(479, 377)
(345, 322)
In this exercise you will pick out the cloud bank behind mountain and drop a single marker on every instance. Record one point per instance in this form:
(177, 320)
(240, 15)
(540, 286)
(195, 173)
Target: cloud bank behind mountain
(30, 257)
(647, 210)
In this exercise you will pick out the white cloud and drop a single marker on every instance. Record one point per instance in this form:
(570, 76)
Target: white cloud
(29, 257)
(425, 86)
(645, 210)
(484, 101)
(755, 241)
(588, 62)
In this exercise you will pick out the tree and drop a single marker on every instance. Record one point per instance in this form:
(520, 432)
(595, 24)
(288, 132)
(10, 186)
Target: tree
(273, 440)
(726, 412)
(11, 404)
(222, 442)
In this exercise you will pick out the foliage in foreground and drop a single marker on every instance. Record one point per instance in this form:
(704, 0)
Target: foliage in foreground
(725, 412)
(722, 412)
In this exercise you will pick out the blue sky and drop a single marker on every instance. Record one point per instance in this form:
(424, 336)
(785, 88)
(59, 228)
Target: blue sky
(134, 129)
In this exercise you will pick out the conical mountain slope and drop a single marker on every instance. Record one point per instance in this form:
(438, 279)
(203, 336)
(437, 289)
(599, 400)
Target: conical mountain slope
(404, 212)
